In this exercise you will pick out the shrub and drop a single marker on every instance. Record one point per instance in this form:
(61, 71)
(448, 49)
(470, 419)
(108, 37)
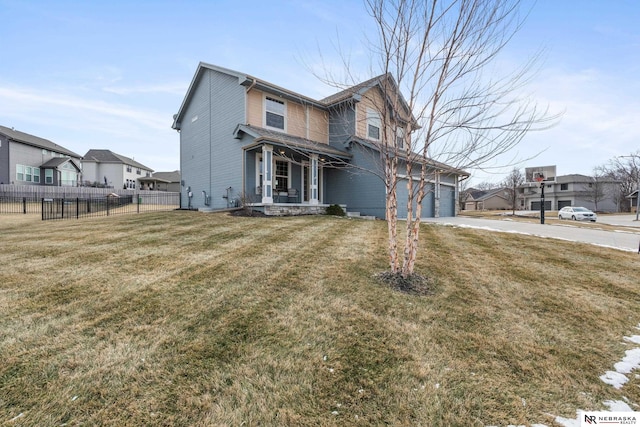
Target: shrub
(335, 210)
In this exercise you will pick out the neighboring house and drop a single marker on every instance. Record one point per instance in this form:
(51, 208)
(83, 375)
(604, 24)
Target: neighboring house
(162, 181)
(479, 200)
(113, 170)
(572, 190)
(30, 160)
(633, 201)
(243, 139)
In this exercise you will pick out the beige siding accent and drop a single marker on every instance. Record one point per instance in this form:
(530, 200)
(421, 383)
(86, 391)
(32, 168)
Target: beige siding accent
(373, 100)
(296, 117)
(318, 125)
(296, 120)
(254, 107)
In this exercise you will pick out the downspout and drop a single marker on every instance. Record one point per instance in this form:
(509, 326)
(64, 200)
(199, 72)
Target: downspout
(244, 151)
(253, 83)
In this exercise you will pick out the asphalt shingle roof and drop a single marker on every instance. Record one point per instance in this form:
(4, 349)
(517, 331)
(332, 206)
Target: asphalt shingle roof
(36, 141)
(108, 156)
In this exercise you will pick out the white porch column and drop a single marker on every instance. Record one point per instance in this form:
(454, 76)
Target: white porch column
(267, 174)
(313, 199)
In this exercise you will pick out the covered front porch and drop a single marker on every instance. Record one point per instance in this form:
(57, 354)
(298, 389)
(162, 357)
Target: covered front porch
(285, 175)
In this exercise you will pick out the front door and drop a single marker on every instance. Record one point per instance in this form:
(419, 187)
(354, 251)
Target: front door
(306, 183)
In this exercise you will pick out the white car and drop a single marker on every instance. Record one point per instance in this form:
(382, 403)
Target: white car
(577, 214)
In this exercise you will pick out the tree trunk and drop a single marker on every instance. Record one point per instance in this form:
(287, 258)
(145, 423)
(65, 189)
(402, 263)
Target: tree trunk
(392, 213)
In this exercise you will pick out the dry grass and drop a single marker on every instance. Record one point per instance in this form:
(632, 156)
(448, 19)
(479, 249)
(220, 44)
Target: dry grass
(184, 318)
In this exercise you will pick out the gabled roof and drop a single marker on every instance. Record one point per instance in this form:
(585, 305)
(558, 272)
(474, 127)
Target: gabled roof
(58, 161)
(499, 192)
(173, 176)
(108, 156)
(354, 92)
(244, 79)
(262, 135)
(35, 141)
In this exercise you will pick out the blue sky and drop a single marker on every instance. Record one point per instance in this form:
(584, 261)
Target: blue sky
(95, 74)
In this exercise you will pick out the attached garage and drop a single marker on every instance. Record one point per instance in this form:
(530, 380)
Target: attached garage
(428, 206)
(535, 206)
(563, 203)
(447, 201)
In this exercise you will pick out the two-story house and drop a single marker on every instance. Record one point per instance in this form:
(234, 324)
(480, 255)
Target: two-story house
(30, 160)
(245, 139)
(113, 170)
(572, 190)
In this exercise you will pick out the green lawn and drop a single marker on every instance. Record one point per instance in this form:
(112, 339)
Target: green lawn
(185, 318)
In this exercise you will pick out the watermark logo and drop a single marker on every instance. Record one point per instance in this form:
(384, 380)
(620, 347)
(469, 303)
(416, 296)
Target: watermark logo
(595, 418)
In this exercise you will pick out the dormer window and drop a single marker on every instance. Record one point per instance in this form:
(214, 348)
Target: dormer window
(373, 125)
(274, 113)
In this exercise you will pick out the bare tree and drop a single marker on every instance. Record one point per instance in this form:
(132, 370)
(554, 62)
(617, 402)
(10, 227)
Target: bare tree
(512, 184)
(464, 193)
(595, 192)
(626, 171)
(487, 186)
(440, 54)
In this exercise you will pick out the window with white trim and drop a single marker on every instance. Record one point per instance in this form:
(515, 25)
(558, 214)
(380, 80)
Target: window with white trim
(19, 173)
(48, 176)
(373, 125)
(275, 111)
(36, 175)
(282, 175)
(400, 138)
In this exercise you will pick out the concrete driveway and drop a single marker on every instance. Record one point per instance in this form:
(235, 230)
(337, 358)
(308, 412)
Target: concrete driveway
(618, 239)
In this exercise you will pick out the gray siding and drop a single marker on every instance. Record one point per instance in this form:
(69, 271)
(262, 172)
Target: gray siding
(22, 154)
(4, 161)
(342, 124)
(361, 191)
(210, 158)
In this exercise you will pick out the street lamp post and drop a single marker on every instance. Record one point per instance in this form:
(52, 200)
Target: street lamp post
(638, 197)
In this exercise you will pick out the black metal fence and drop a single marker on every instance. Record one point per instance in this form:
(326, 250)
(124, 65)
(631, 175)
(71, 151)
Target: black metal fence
(61, 208)
(79, 203)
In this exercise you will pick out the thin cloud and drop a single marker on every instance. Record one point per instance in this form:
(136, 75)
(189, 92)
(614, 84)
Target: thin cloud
(169, 88)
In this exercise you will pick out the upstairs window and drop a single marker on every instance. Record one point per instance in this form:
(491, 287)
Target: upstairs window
(400, 138)
(138, 172)
(274, 113)
(564, 186)
(373, 125)
(128, 168)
